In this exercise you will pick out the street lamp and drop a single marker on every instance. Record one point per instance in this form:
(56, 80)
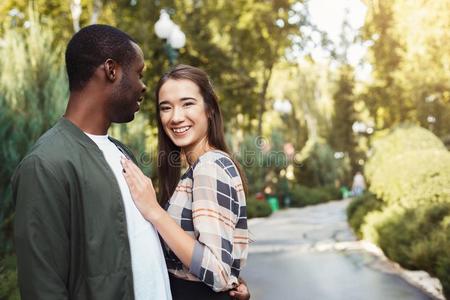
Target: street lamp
(362, 128)
(15, 14)
(174, 38)
(282, 106)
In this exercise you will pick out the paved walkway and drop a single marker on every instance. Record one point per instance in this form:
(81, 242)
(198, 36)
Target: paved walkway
(311, 253)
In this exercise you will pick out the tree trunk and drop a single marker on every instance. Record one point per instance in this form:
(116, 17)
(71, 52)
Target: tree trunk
(98, 4)
(262, 98)
(75, 9)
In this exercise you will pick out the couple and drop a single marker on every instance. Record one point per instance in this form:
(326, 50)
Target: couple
(88, 224)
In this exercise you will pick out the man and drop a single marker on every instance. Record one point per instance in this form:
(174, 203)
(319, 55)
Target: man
(78, 234)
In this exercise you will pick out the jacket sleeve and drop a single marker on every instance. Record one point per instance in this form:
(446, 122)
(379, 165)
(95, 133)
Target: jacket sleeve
(41, 231)
(215, 209)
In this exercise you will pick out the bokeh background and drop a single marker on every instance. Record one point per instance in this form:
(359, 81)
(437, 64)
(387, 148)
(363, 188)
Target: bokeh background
(311, 92)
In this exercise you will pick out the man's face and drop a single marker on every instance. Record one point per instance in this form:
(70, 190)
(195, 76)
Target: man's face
(129, 92)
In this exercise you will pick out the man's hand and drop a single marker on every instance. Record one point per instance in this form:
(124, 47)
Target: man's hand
(241, 292)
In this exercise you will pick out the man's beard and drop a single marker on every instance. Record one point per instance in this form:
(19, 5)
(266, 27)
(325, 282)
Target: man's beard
(123, 102)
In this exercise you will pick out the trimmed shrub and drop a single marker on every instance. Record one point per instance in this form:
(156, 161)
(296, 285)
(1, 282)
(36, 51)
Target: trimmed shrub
(410, 173)
(359, 208)
(321, 168)
(257, 208)
(303, 195)
(413, 178)
(333, 192)
(399, 140)
(415, 238)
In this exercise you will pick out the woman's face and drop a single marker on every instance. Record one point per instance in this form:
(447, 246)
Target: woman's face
(183, 114)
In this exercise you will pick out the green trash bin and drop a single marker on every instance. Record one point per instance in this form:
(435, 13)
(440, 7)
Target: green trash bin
(345, 192)
(273, 202)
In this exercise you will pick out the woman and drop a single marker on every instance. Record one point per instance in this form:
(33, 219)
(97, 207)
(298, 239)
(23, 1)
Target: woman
(204, 224)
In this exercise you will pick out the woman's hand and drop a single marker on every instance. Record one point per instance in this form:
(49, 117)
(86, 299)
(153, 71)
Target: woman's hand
(241, 292)
(142, 191)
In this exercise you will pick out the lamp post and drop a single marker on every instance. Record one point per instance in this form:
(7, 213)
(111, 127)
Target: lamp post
(171, 33)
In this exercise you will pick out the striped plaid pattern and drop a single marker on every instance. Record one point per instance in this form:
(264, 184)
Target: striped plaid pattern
(209, 204)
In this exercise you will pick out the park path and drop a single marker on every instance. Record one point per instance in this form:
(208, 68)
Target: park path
(311, 253)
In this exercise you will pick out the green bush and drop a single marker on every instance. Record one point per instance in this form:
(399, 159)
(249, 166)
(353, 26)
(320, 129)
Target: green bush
(261, 166)
(410, 166)
(417, 238)
(410, 173)
(399, 140)
(257, 208)
(359, 208)
(333, 192)
(413, 178)
(303, 195)
(321, 168)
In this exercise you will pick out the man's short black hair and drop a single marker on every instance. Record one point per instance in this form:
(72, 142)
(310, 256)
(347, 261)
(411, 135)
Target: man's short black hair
(92, 46)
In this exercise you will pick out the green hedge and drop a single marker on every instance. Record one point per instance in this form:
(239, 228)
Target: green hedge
(257, 208)
(395, 142)
(408, 215)
(413, 178)
(359, 208)
(418, 239)
(303, 195)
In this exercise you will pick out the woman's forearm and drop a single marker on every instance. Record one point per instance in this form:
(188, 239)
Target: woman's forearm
(181, 243)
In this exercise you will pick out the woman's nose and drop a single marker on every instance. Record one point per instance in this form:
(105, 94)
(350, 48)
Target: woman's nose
(178, 115)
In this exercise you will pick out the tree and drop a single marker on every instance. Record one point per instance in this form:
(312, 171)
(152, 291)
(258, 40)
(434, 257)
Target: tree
(410, 55)
(341, 136)
(34, 90)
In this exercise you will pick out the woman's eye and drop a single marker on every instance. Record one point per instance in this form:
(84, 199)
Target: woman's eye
(164, 108)
(189, 104)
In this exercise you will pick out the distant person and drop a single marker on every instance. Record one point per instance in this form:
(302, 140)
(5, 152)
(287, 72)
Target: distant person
(359, 184)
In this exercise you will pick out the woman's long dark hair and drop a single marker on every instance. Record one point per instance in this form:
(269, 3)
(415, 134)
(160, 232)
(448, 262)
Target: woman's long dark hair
(169, 155)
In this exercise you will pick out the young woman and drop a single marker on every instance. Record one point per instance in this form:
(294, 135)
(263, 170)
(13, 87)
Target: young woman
(204, 223)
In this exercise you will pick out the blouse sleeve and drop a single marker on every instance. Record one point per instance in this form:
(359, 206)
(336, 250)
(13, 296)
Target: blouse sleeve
(216, 207)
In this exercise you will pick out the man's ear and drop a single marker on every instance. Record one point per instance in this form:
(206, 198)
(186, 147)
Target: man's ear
(111, 68)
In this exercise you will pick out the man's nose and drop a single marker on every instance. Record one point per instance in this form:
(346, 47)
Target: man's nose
(144, 88)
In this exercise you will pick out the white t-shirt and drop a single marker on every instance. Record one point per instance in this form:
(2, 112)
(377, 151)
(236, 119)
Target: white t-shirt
(150, 277)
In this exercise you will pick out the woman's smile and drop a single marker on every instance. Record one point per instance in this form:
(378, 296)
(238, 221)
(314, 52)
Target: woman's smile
(181, 130)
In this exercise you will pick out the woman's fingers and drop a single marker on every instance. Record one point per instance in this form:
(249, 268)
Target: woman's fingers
(140, 177)
(138, 183)
(141, 190)
(136, 173)
(130, 176)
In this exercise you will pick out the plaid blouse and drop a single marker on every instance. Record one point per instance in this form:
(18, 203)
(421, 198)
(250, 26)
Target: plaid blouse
(209, 204)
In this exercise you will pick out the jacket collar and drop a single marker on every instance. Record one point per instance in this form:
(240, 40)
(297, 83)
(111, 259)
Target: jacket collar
(72, 129)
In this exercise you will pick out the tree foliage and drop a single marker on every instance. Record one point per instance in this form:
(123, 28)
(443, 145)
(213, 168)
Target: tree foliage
(341, 136)
(411, 61)
(34, 91)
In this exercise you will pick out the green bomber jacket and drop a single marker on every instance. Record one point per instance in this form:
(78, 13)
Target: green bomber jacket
(70, 228)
